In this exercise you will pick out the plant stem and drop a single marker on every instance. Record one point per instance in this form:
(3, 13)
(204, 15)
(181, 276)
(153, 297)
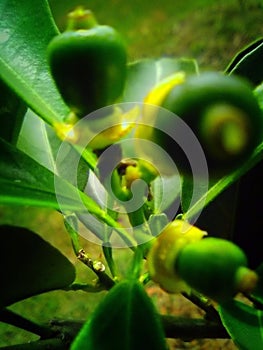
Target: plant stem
(16, 320)
(174, 327)
(98, 268)
(190, 329)
(145, 278)
(107, 251)
(85, 287)
(136, 265)
(137, 217)
(204, 304)
(54, 344)
(71, 225)
(103, 216)
(87, 155)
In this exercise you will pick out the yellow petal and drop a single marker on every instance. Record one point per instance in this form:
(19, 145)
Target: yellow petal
(161, 89)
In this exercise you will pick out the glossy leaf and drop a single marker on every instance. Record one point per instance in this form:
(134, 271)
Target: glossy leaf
(40, 142)
(157, 222)
(12, 111)
(145, 74)
(125, 319)
(244, 324)
(248, 63)
(193, 192)
(29, 265)
(34, 141)
(24, 181)
(26, 29)
(166, 191)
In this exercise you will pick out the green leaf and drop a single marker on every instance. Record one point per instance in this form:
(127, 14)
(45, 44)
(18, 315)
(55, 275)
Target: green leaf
(157, 222)
(12, 111)
(40, 142)
(29, 265)
(26, 29)
(24, 181)
(34, 141)
(248, 62)
(192, 191)
(243, 323)
(143, 75)
(166, 190)
(125, 319)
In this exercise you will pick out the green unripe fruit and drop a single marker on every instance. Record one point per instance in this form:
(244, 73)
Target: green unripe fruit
(164, 251)
(88, 63)
(216, 268)
(224, 115)
(221, 111)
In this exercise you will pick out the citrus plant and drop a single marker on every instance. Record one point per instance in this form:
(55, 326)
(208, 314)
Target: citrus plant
(136, 155)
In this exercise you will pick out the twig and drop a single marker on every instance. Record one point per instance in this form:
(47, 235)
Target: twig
(71, 225)
(54, 344)
(85, 287)
(204, 304)
(190, 329)
(16, 320)
(98, 268)
(186, 329)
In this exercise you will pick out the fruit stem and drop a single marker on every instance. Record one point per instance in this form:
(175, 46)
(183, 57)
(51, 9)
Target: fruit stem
(81, 18)
(246, 280)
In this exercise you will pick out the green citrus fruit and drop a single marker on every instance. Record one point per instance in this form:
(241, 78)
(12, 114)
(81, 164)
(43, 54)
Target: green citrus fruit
(224, 115)
(215, 267)
(221, 111)
(88, 63)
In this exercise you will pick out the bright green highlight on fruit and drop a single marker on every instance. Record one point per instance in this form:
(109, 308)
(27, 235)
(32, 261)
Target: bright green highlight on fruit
(164, 252)
(88, 63)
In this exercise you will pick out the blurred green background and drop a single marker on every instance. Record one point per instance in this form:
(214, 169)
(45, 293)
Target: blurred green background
(210, 31)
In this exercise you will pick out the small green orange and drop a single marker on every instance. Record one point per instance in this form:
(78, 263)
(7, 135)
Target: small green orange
(216, 268)
(88, 63)
(223, 113)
